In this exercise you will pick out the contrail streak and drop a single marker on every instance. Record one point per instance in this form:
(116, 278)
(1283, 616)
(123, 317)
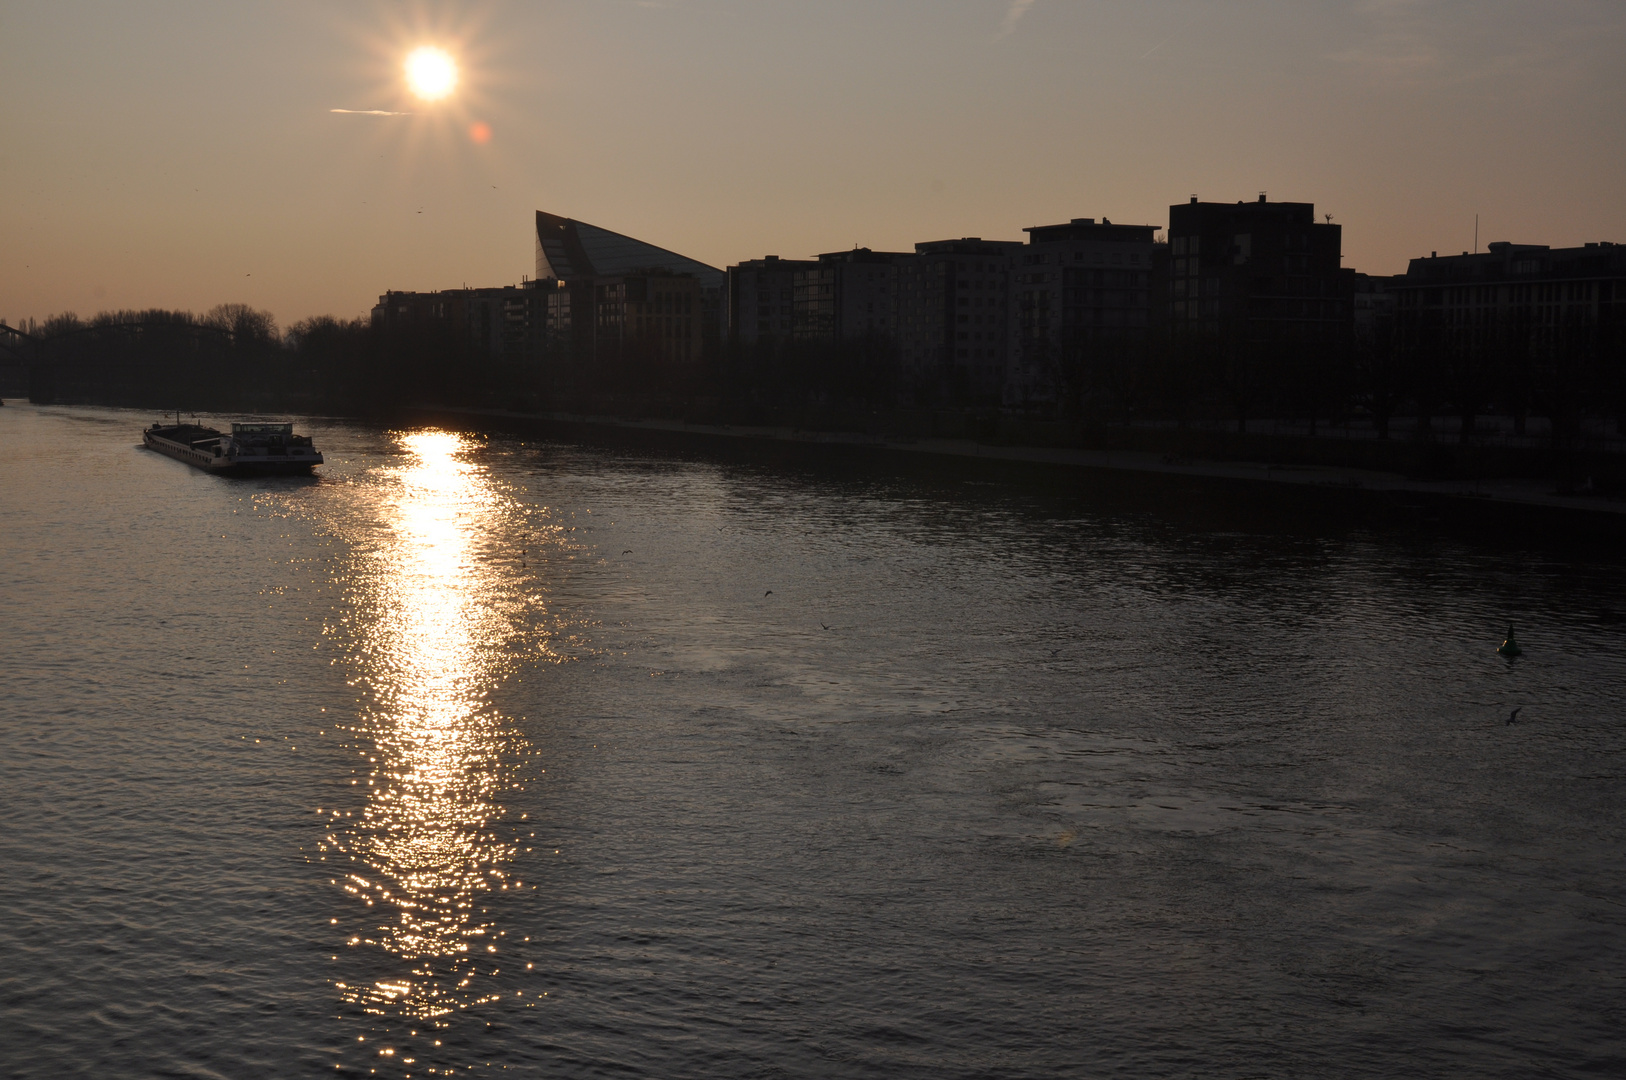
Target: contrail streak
(1014, 15)
(369, 112)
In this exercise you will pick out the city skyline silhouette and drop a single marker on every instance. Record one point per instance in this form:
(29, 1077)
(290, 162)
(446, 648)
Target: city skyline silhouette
(277, 156)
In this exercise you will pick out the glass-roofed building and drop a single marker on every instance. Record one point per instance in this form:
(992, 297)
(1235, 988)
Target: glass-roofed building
(567, 249)
(605, 285)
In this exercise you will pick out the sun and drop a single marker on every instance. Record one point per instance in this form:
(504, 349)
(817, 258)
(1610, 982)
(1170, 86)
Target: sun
(431, 72)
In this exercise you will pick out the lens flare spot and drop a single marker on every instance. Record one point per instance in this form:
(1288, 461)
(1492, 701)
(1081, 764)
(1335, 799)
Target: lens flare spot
(480, 132)
(431, 72)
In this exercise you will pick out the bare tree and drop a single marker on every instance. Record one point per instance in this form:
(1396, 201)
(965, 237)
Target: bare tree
(244, 323)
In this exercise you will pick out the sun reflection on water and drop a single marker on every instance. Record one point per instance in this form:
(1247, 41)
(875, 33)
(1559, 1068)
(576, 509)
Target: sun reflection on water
(438, 602)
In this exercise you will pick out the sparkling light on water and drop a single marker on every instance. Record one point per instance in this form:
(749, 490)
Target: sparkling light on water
(436, 607)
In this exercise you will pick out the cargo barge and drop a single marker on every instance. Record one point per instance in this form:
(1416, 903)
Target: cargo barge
(252, 449)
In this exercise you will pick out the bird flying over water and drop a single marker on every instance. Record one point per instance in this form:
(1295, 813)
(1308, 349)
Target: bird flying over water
(768, 593)
(1513, 717)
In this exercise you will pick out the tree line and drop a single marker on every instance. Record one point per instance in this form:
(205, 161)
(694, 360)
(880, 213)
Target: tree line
(234, 357)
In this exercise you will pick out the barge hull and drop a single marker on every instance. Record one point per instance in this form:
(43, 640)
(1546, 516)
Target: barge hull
(225, 466)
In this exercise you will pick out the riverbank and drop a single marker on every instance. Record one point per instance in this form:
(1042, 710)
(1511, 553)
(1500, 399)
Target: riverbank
(1490, 491)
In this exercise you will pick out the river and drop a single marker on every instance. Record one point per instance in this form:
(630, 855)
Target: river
(484, 753)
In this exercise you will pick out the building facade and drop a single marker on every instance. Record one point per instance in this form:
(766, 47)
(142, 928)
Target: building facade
(1082, 295)
(576, 263)
(760, 299)
(1372, 305)
(1257, 273)
(656, 316)
(953, 318)
(1531, 292)
(845, 295)
(496, 320)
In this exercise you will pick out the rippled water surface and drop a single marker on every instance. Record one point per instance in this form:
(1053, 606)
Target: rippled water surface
(477, 754)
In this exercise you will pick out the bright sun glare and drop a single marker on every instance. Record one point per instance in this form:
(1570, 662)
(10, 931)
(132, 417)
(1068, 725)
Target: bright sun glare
(431, 73)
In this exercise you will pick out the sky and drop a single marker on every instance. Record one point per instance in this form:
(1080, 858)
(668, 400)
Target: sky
(184, 154)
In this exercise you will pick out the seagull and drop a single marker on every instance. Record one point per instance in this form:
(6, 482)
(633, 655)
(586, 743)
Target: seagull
(768, 593)
(1513, 717)
(627, 552)
(826, 627)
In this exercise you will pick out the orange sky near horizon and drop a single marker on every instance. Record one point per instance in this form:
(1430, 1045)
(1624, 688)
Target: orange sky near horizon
(273, 154)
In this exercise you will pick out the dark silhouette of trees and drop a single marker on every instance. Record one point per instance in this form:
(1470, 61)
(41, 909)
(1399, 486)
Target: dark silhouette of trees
(235, 358)
(154, 357)
(781, 373)
(333, 360)
(1380, 370)
(1510, 357)
(242, 322)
